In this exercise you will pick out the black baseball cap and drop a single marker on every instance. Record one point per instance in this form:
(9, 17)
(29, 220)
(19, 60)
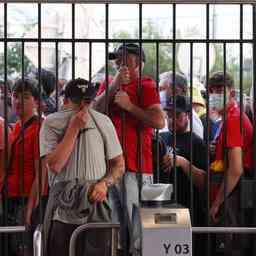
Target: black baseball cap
(130, 48)
(182, 104)
(80, 89)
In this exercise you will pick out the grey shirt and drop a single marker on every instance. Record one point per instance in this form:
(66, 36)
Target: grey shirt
(90, 164)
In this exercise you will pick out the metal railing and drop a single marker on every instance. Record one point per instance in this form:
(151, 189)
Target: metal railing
(12, 229)
(86, 227)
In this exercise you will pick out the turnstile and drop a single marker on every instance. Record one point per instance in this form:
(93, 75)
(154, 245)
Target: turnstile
(166, 231)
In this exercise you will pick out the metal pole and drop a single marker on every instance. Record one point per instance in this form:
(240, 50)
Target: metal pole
(13, 229)
(83, 228)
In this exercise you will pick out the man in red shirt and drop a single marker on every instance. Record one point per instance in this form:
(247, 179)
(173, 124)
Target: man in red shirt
(233, 154)
(22, 174)
(134, 108)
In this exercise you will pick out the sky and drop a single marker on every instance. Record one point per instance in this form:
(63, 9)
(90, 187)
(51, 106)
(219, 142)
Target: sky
(190, 21)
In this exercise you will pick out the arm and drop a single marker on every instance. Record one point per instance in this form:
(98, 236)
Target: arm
(116, 171)
(58, 158)
(198, 175)
(152, 116)
(121, 77)
(234, 173)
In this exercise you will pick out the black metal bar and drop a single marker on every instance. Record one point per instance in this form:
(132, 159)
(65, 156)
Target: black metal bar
(57, 75)
(106, 58)
(73, 42)
(157, 131)
(90, 62)
(39, 14)
(191, 131)
(227, 2)
(209, 252)
(140, 100)
(174, 104)
(120, 40)
(254, 112)
(6, 155)
(226, 164)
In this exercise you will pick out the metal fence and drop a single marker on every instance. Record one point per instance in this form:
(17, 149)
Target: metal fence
(173, 40)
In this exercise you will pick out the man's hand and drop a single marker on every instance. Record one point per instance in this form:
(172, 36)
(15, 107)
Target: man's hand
(79, 120)
(123, 101)
(98, 192)
(168, 162)
(214, 212)
(123, 75)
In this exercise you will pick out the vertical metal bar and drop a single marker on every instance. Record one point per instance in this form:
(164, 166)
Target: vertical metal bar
(207, 125)
(22, 166)
(39, 15)
(73, 41)
(6, 155)
(140, 100)
(254, 112)
(225, 132)
(241, 88)
(57, 75)
(157, 131)
(174, 103)
(90, 62)
(106, 57)
(191, 139)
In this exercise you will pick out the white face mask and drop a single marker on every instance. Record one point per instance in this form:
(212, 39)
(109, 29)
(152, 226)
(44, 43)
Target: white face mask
(216, 101)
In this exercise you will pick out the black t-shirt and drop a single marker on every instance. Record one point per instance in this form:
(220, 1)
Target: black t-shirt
(183, 146)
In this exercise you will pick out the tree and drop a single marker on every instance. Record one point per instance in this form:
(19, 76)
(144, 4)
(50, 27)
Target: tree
(150, 31)
(14, 61)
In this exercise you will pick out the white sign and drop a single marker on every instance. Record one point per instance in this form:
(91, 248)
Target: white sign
(166, 232)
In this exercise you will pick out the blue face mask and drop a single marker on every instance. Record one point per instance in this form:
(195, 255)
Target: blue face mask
(216, 101)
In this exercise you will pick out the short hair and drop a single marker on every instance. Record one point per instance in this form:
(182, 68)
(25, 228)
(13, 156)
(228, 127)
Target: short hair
(220, 79)
(48, 81)
(27, 85)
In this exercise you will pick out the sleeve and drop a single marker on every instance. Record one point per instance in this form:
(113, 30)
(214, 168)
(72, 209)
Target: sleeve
(48, 139)
(234, 135)
(1, 134)
(113, 146)
(150, 94)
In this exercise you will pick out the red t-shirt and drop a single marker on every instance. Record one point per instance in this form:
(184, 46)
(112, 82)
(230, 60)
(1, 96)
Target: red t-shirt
(149, 97)
(235, 139)
(16, 174)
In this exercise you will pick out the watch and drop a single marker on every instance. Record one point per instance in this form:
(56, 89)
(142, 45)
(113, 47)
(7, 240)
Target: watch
(109, 181)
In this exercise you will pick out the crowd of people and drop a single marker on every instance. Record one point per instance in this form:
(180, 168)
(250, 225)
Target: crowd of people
(82, 153)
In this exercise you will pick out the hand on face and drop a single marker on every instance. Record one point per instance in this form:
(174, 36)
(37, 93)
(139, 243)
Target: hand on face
(79, 120)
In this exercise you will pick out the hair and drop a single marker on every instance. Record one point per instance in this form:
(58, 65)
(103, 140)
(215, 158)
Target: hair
(27, 85)
(219, 79)
(48, 81)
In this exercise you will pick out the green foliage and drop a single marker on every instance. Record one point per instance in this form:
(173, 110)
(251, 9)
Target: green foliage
(14, 60)
(150, 31)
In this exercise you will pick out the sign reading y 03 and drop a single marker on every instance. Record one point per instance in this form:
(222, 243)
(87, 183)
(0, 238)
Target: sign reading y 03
(176, 249)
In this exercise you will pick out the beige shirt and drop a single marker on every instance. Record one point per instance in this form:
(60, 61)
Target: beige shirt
(90, 163)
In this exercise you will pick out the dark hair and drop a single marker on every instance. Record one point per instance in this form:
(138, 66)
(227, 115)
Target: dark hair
(218, 79)
(48, 81)
(80, 89)
(27, 85)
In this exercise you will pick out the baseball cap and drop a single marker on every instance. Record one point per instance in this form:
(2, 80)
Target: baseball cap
(182, 104)
(80, 89)
(130, 48)
(180, 79)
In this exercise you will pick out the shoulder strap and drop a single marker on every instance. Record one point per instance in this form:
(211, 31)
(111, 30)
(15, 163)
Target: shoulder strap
(103, 138)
